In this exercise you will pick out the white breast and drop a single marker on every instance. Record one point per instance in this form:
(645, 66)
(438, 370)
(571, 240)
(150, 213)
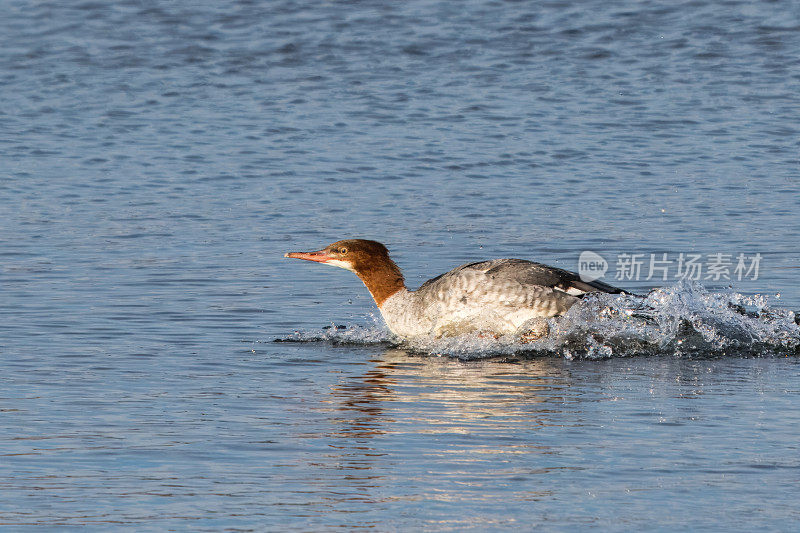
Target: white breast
(471, 302)
(404, 317)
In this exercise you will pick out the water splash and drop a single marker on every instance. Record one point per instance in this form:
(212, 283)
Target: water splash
(340, 334)
(682, 319)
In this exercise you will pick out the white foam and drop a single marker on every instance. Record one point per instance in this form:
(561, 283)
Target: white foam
(338, 334)
(680, 319)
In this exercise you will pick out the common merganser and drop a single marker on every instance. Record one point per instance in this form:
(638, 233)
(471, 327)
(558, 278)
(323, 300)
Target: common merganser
(496, 297)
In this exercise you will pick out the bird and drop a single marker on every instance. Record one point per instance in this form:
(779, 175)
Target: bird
(492, 298)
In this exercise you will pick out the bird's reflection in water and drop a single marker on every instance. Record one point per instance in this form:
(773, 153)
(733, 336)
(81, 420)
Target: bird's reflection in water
(430, 420)
(401, 387)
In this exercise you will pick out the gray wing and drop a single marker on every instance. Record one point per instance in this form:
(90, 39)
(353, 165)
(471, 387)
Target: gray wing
(503, 290)
(526, 273)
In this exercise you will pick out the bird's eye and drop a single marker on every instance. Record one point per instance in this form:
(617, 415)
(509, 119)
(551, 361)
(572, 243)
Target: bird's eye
(342, 251)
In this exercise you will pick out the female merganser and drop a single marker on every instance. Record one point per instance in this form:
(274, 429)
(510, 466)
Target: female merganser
(497, 297)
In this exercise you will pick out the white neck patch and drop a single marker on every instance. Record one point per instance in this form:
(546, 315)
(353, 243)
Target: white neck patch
(341, 264)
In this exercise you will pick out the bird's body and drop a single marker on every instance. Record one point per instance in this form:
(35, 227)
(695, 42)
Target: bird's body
(500, 296)
(497, 297)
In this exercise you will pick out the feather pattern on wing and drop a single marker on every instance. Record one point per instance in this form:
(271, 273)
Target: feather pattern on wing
(500, 295)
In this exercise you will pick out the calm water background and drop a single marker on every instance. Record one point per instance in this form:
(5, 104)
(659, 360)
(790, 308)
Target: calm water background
(157, 159)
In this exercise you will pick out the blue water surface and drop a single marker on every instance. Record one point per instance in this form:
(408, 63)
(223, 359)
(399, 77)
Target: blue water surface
(158, 158)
